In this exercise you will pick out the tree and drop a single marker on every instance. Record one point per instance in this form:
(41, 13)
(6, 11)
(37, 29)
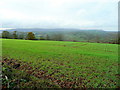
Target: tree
(21, 35)
(58, 37)
(5, 34)
(30, 36)
(42, 38)
(47, 37)
(119, 40)
(15, 35)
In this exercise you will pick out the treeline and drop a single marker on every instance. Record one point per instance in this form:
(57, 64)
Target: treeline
(30, 36)
(59, 36)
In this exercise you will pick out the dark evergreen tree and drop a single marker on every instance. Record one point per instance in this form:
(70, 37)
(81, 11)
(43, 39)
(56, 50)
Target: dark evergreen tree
(5, 34)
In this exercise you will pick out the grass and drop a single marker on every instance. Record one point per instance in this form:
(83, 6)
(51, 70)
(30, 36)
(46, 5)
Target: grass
(88, 64)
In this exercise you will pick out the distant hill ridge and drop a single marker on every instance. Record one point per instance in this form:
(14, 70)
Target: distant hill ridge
(46, 29)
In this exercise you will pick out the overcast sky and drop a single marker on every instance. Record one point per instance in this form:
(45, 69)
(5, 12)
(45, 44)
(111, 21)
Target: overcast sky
(80, 14)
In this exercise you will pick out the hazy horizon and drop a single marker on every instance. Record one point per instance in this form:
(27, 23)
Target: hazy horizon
(3, 29)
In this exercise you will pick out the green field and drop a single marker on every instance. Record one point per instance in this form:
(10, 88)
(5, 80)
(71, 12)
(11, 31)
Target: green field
(78, 64)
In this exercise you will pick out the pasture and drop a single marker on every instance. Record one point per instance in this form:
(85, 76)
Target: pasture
(67, 64)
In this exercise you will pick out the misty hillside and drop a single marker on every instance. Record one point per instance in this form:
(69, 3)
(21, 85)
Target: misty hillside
(71, 34)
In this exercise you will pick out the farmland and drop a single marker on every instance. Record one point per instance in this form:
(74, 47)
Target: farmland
(66, 64)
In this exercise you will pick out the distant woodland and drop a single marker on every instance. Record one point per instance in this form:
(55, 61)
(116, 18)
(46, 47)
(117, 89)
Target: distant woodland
(98, 36)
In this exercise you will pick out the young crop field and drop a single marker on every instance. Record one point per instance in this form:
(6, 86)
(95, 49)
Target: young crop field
(65, 64)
